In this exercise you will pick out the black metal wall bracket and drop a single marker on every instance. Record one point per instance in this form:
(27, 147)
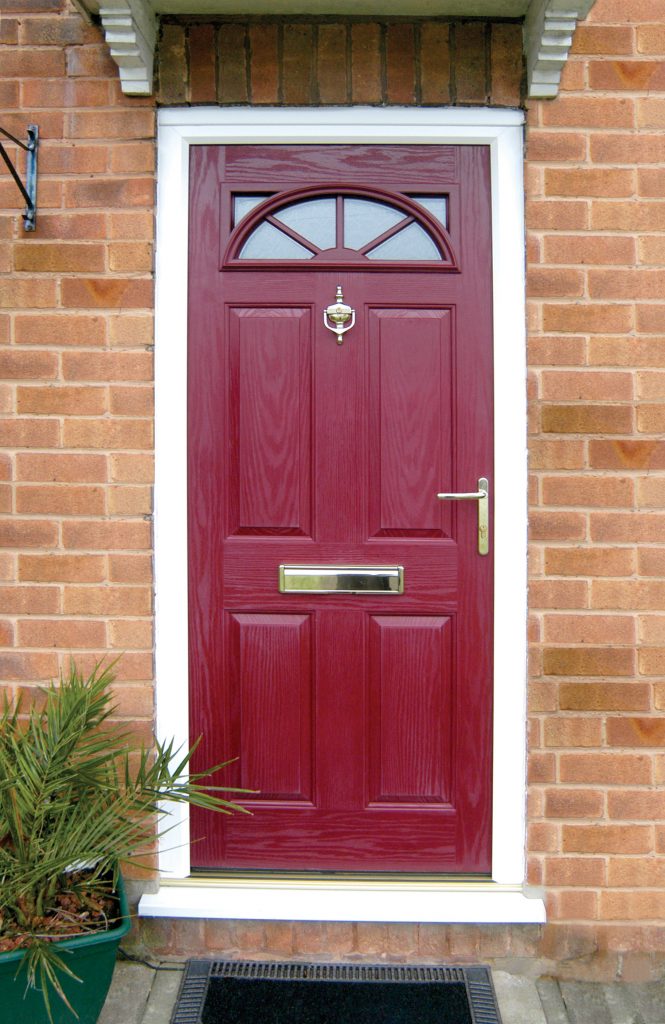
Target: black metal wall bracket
(29, 190)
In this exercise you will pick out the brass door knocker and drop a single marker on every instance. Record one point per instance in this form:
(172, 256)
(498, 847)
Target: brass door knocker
(339, 313)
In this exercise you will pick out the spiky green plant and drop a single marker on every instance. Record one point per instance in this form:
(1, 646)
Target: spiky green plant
(76, 793)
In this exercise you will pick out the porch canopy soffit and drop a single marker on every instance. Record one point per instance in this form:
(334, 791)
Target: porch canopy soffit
(131, 27)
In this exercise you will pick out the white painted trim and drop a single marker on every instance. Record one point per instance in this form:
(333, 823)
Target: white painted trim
(279, 901)
(501, 130)
(549, 28)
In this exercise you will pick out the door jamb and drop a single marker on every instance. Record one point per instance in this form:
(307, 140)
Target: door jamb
(505, 897)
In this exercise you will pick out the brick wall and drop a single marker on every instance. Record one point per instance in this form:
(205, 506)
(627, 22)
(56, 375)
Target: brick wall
(75, 470)
(302, 62)
(75, 362)
(596, 282)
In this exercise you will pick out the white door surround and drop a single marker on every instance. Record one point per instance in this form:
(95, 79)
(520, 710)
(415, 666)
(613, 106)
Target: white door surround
(503, 898)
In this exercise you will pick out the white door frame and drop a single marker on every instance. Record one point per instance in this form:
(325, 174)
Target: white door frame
(504, 898)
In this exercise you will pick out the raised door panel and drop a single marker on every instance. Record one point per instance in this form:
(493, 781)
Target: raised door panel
(411, 436)
(409, 710)
(269, 421)
(271, 701)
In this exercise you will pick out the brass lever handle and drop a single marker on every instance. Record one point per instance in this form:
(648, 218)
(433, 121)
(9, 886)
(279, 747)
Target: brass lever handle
(482, 497)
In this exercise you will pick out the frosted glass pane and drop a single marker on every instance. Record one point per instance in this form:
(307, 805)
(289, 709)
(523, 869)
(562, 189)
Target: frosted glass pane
(436, 206)
(314, 219)
(243, 204)
(412, 243)
(365, 219)
(268, 243)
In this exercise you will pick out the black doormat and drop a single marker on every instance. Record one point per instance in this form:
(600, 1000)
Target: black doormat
(249, 992)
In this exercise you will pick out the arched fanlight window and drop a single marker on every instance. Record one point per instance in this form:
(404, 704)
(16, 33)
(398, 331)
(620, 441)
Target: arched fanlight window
(342, 225)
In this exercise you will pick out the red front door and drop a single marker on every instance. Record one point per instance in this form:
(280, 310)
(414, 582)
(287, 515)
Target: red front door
(363, 719)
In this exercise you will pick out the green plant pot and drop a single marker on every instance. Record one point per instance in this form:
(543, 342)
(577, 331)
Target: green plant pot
(90, 957)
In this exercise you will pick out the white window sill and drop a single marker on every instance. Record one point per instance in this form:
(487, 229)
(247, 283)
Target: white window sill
(277, 899)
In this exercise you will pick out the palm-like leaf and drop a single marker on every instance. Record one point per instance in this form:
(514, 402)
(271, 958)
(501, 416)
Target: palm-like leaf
(70, 795)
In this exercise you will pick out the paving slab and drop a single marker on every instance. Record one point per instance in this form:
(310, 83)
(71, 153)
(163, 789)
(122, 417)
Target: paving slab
(551, 1001)
(128, 995)
(518, 999)
(163, 995)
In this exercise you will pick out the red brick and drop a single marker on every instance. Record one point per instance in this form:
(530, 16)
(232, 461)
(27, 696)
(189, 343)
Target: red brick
(131, 633)
(549, 282)
(560, 594)
(580, 561)
(109, 192)
(366, 63)
(572, 732)
(627, 527)
(625, 148)
(636, 805)
(628, 215)
(587, 419)
(589, 112)
(627, 872)
(574, 871)
(60, 499)
(603, 39)
(620, 454)
(263, 63)
(202, 88)
(628, 594)
(46, 256)
(556, 215)
(89, 62)
(583, 491)
(70, 159)
(574, 803)
(68, 634)
(547, 525)
(36, 61)
(130, 501)
(136, 157)
(61, 468)
(29, 600)
(120, 535)
(107, 433)
(604, 696)
(550, 454)
(59, 330)
(172, 65)
(114, 293)
(583, 316)
(20, 665)
(27, 293)
(136, 123)
(603, 182)
(297, 64)
(470, 62)
(635, 732)
(233, 83)
(61, 401)
(588, 661)
(331, 72)
(606, 839)
(29, 433)
(117, 600)
(28, 533)
(20, 364)
(588, 628)
(107, 366)
(507, 67)
(435, 62)
(607, 769)
(400, 63)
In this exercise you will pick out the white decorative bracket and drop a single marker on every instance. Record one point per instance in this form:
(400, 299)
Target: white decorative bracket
(130, 27)
(548, 36)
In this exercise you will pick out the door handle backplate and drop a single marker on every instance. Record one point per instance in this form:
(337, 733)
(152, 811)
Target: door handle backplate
(482, 497)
